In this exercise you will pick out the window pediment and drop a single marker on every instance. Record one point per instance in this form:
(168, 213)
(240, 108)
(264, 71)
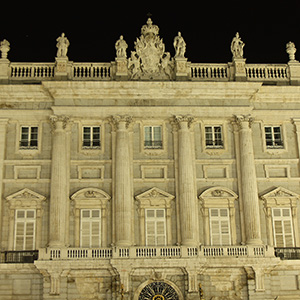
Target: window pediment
(218, 197)
(25, 198)
(154, 197)
(280, 196)
(90, 197)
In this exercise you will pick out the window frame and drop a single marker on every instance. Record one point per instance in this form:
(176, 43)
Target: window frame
(213, 137)
(91, 139)
(273, 138)
(152, 141)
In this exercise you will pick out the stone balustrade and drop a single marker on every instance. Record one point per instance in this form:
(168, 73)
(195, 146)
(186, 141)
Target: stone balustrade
(156, 252)
(37, 72)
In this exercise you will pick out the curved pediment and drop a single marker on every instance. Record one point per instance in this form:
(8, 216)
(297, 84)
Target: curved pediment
(90, 193)
(218, 192)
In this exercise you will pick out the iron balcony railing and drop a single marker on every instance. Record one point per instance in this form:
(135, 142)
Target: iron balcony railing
(19, 257)
(287, 253)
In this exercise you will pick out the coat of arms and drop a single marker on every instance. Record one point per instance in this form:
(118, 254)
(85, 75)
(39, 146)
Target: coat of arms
(149, 60)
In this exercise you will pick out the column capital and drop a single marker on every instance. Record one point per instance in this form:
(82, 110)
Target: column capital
(243, 120)
(179, 120)
(120, 121)
(59, 119)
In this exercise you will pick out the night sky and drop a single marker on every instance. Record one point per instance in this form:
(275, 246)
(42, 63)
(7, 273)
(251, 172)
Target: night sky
(207, 27)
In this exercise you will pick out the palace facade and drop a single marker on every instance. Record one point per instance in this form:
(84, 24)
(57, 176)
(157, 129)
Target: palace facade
(149, 177)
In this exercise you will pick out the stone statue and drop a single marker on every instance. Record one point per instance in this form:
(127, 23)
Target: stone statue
(62, 46)
(179, 45)
(121, 47)
(291, 50)
(237, 46)
(4, 48)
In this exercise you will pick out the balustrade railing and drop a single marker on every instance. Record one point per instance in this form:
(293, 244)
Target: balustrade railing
(260, 72)
(213, 72)
(106, 71)
(156, 252)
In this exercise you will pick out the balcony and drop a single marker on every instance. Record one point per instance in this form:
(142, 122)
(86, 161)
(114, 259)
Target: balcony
(19, 257)
(170, 252)
(287, 253)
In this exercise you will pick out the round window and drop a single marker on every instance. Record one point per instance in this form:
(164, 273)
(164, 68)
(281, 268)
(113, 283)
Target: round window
(158, 290)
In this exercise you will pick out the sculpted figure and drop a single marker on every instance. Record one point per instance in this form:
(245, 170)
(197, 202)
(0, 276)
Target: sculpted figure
(237, 46)
(62, 46)
(121, 47)
(179, 45)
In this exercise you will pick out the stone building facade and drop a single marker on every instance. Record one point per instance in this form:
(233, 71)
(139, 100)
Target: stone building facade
(149, 177)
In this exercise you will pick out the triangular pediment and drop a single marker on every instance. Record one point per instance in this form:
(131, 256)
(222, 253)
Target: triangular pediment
(154, 193)
(90, 193)
(218, 192)
(25, 194)
(280, 192)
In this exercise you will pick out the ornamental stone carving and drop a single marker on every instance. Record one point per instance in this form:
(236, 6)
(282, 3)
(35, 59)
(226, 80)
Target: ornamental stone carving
(149, 60)
(179, 45)
(291, 50)
(4, 48)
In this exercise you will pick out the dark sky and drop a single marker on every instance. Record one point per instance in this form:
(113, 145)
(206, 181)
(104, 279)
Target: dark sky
(207, 27)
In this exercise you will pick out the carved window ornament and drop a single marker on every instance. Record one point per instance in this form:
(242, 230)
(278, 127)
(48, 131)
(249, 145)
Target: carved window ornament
(218, 199)
(29, 202)
(154, 199)
(90, 199)
(280, 206)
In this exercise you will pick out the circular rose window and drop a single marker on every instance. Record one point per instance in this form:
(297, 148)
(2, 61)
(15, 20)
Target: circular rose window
(158, 290)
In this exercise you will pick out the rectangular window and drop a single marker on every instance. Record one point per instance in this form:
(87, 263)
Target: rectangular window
(155, 227)
(219, 227)
(213, 137)
(273, 137)
(282, 227)
(153, 137)
(91, 137)
(25, 229)
(90, 228)
(29, 137)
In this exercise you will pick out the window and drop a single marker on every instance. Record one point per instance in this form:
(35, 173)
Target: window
(282, 227)
(153, 137)
(90, 229)
(213, 137)
(273, 137)
(24, 229)
(91, 137)
(29, 137)
(155, 227)
(219, 226)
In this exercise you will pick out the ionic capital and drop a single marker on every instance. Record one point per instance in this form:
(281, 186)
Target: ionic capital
(120, 121)
(182, 121)
(244, 121)
(59, 122)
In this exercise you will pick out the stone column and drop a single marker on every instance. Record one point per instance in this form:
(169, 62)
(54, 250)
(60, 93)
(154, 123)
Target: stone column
(249, 182)
(123, 202)
(3, 125)
(60, 174)
(187, 196)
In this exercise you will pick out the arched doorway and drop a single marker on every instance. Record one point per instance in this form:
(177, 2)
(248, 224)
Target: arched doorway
(158, 290)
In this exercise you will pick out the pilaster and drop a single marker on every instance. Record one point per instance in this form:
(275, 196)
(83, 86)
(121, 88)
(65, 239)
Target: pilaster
(187, 196)
(249, 181)
(60, 176)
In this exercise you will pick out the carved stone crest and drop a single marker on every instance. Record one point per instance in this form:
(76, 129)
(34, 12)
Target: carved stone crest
(149, 60)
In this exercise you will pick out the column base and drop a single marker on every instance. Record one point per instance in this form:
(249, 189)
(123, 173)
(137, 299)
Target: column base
(254, 242)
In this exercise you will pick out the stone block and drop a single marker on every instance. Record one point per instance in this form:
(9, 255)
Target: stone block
(22, 287)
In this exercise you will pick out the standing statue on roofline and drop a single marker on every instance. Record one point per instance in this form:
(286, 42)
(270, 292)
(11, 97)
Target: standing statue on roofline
(62, 46)
(179, 45)
(237, 47)
(121, 47)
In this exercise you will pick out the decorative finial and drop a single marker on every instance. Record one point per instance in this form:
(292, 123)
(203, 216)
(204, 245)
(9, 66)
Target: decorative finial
(237, 47)
(291, 50)
(4, 48)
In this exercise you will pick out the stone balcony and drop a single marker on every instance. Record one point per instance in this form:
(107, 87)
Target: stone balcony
(170, 252)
